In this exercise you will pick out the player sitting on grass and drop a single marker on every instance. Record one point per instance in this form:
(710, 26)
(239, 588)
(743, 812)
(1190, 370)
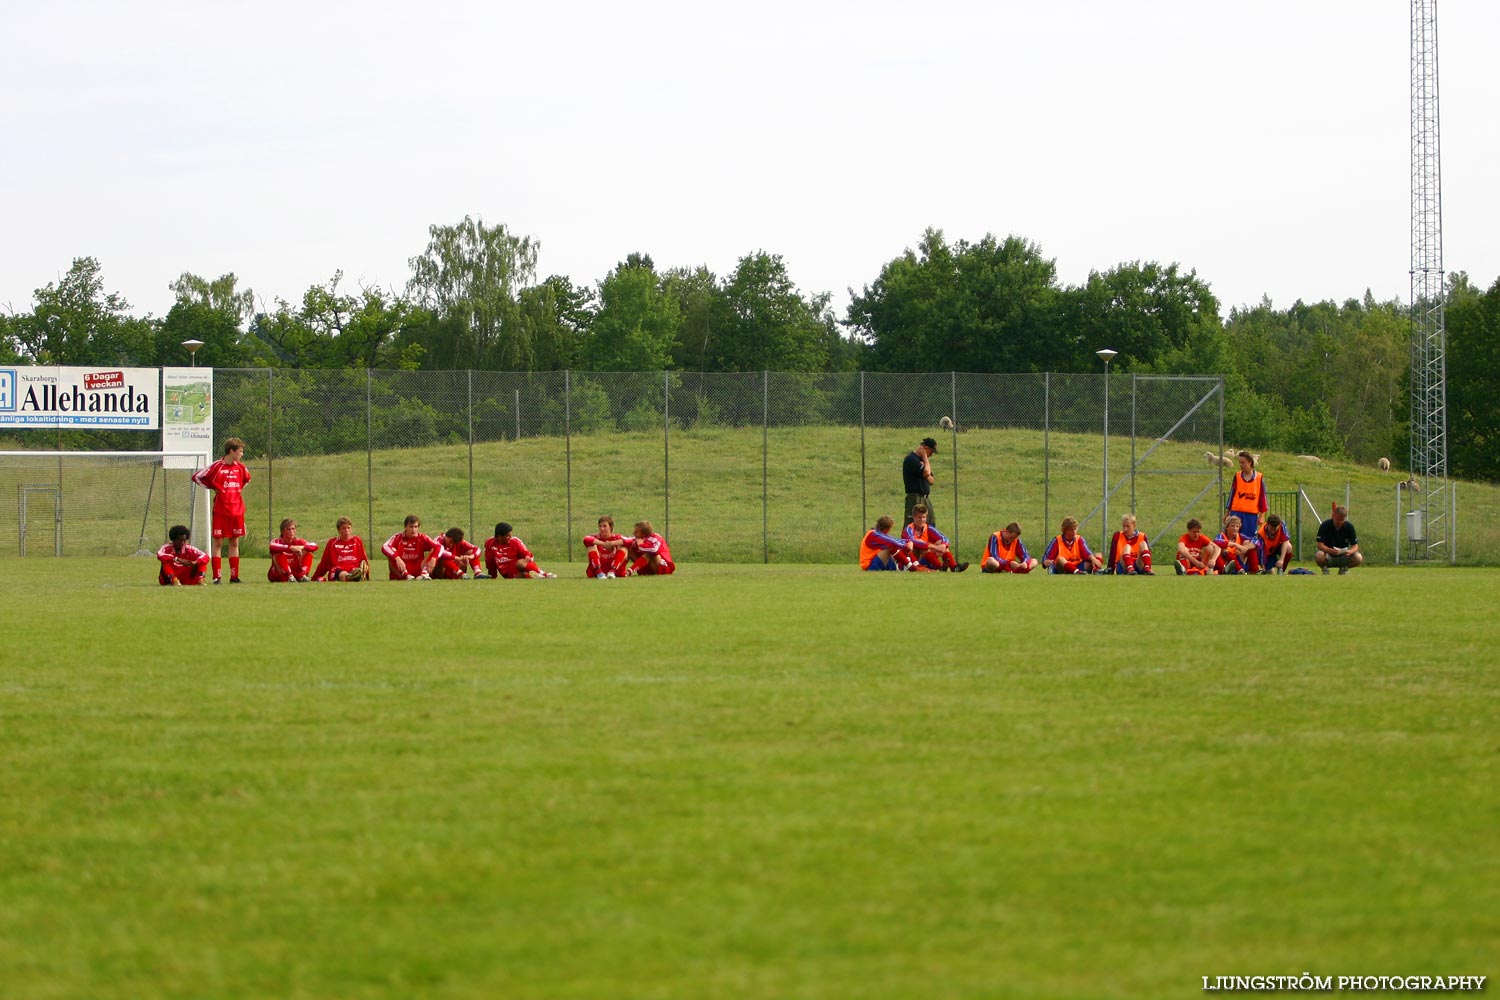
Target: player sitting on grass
(1237, 553)
(343, 556)
(608, 551)
(1274, 545)
(410, 552)
(459, 558)
(291, 557)
(929, 545)
(1129, 551)
(1006, 553)
(507, 557)
(880, 550)
(1069, 553)
(651, 556)
(182, 565)
(1196, 552)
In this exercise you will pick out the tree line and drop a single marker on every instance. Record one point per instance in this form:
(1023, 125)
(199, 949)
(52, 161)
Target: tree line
(1324, 378)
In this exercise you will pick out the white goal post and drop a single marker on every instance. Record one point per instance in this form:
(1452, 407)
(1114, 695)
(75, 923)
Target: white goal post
(98, 503)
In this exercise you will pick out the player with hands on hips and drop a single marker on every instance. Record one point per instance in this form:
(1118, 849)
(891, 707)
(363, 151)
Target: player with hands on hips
(227, 478)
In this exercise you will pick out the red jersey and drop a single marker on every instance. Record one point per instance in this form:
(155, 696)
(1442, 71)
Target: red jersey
(282, 547)
(183, 563)
(340, 556)
(1196, 547)
(591, 540)
(411, 552)
(228, 481)
(652, 544)
(451, 560)
(503, 558)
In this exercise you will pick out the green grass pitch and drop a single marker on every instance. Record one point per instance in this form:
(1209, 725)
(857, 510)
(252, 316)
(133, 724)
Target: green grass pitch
(794, 781)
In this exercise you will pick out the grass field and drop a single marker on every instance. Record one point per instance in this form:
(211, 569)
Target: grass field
(796, 781)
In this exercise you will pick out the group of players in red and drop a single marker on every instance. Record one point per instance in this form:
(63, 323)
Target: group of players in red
(410, 553)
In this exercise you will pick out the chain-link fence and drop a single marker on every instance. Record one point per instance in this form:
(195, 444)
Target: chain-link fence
(732, 467)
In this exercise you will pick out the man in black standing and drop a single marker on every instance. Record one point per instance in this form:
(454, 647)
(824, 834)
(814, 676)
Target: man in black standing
(916, 471)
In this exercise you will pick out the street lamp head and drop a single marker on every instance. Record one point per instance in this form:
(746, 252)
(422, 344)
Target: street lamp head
(192, 349)
(1106, 355)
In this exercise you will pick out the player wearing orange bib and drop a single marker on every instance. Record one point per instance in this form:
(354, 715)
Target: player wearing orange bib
(1069, 553)
(1006, 553)
(1274, 545)
(1247, 498)
(929, 545)
(1237, 554)
(881, 550)
(1129, 551)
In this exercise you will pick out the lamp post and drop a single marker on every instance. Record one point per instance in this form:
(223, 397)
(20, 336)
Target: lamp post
(1106, 355)
(192, 349)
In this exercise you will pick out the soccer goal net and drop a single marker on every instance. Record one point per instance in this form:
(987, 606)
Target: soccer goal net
(97, 503)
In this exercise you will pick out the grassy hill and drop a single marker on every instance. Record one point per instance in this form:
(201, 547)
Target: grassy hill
(819, 495)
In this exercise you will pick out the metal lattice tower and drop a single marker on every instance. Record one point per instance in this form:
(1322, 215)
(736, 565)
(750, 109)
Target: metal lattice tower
(1429, 388)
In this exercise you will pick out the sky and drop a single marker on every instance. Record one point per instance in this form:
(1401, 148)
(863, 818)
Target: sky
(1264, 145)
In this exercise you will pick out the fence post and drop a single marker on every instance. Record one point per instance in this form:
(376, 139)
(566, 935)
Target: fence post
(470, 373)
(953, 437)
(1396, 538)
(765, 466)
(666, 451)
(270, 454)
(1132, 447)
(864, 504)
(568, 448)
(1220, 464)
(1046, 451)
(369, 456)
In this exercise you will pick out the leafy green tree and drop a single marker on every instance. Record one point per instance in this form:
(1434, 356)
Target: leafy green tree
(9, 345)
(558, 316)
(990, 306)
(471, 277)
(762, 323)
(697, 293)
(214, 312)
(334, 329)
(1158, 318)
(637, 322)
(1473, 380)
(75, 322)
